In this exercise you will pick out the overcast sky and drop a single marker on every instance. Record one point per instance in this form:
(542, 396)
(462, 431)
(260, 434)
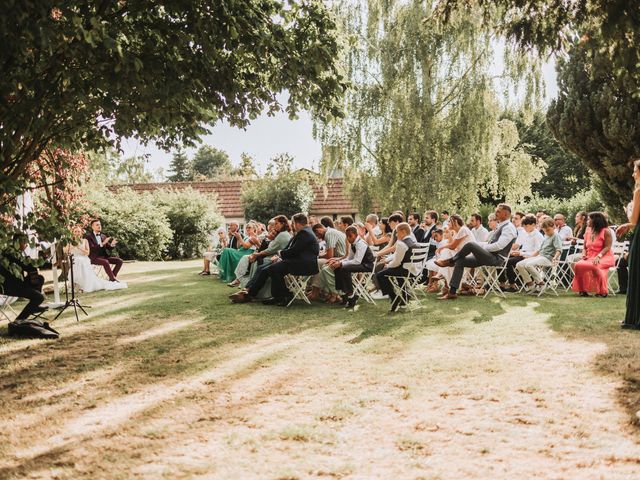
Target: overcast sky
(267, 137)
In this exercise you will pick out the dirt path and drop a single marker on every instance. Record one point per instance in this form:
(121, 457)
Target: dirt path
(506, 399)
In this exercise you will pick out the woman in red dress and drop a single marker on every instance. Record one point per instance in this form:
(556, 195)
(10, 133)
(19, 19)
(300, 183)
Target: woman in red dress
(591, 272)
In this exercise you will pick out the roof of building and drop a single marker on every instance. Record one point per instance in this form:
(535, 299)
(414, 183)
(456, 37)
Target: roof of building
(329, 198)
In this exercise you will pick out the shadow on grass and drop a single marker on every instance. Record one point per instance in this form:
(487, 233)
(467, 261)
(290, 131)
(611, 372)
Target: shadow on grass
(597, 320)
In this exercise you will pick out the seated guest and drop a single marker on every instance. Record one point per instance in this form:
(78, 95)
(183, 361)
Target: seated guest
(445, 219)
(517, 220)
(214, 250)
(398, 266)
(549, 252)
(300, 257)
(243, 268)
(230, 256)
(528, 242)
(373, 221)
(475, 254)
(27, 285)
(99, 247)
(360, 259)
(430, 275)
(335, 247)
(394, 221)
(480, 233)
(262, 258)
(379, 239)
(414, 223)
(233, 242)
(580, 227)
(564, 230)
(493, 224)
(590, 273)
(461, 235)
(343, 222)
(429, 224)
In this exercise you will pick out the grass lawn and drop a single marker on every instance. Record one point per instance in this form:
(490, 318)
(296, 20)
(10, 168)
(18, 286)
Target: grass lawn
(167, 379)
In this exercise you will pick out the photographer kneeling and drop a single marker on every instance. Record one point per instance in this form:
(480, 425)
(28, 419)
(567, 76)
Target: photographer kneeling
(28, 285)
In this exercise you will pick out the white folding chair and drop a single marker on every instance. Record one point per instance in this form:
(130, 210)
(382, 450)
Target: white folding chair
(552, 276)
(407, 285)
(619, 249)
(491, 275)
(564, 272)
(361, 282)
(297, 285)
(5, 305)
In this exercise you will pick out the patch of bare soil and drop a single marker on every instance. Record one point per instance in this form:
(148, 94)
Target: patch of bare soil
(501, 399)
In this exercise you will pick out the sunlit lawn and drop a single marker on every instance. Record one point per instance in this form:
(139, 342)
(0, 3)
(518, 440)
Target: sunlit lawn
(171, 323)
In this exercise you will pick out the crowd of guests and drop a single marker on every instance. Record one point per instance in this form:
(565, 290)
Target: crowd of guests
(331, 252)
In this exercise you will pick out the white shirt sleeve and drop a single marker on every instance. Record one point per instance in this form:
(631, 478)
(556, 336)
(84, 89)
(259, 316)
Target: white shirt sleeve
(356, 259)
(565, 232)
(401, 249)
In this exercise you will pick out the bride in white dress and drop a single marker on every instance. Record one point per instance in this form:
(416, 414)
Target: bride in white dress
(83, 273)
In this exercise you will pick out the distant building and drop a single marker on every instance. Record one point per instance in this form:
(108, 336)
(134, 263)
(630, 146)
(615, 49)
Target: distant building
(330, 199)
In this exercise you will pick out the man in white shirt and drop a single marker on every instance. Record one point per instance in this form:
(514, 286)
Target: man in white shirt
(475, 254)
(398, 266)
(564, 230)
(372, 220)
(517, 221)
(360, 259)
(480, 233)
(529, 241)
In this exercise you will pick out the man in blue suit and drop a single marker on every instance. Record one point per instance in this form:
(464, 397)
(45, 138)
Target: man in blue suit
(300, 257)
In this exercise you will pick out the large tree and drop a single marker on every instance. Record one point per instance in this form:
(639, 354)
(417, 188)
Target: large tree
(210, 162)
(180, 167)
(565, 175)
(423, 122)
(81, 74)
(598, 118)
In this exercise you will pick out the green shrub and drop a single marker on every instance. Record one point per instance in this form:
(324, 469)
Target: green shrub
(281, 195)
(192, 217)
(142, 230)
(587, 201)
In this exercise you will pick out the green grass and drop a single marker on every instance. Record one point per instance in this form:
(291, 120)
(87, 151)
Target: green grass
(182, 295)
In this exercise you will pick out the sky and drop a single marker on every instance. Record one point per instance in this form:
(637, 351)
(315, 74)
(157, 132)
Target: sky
(267, 137)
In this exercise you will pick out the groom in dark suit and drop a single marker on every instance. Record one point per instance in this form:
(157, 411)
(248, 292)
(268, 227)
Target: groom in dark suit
(300, 257)
(99, 247)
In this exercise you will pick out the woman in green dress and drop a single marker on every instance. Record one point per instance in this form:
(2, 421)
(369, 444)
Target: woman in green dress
(632, 317)
(230, 257)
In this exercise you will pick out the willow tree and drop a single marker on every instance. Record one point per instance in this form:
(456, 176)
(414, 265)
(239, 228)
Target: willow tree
(422, 125)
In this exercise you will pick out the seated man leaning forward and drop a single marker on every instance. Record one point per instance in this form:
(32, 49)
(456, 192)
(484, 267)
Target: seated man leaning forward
(300, 257)
(360, 259)
(475, 254)
(100, 247)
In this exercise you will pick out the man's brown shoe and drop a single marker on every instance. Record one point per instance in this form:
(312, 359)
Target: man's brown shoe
(448, 296)
(241, 297)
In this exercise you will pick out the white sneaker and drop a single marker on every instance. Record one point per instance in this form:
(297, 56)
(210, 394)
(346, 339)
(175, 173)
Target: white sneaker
(378, 295)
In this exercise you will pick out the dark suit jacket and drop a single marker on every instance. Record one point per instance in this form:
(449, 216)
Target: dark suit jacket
(418, 232)
(95, 250)
(301, 255)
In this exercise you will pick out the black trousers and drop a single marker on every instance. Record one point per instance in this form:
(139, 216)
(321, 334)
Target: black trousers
(276, 272)
(14, 287)
(470, 256)
(344, 280)
(385, 283)
(255, 276)
(510, 272)
(623, 273)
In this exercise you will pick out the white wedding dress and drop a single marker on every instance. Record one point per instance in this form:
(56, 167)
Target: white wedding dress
(85, 277)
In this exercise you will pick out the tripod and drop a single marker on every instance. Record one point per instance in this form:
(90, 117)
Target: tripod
(71, 301)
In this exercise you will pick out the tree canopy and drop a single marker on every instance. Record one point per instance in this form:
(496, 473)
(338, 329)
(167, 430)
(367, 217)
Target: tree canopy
(423, 122)
(210, 162)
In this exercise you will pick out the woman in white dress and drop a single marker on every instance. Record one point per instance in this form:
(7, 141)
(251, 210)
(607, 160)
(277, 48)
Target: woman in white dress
(461, 236)
(84, 275)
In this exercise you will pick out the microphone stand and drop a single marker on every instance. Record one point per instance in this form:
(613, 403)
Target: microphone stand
(73, 301)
